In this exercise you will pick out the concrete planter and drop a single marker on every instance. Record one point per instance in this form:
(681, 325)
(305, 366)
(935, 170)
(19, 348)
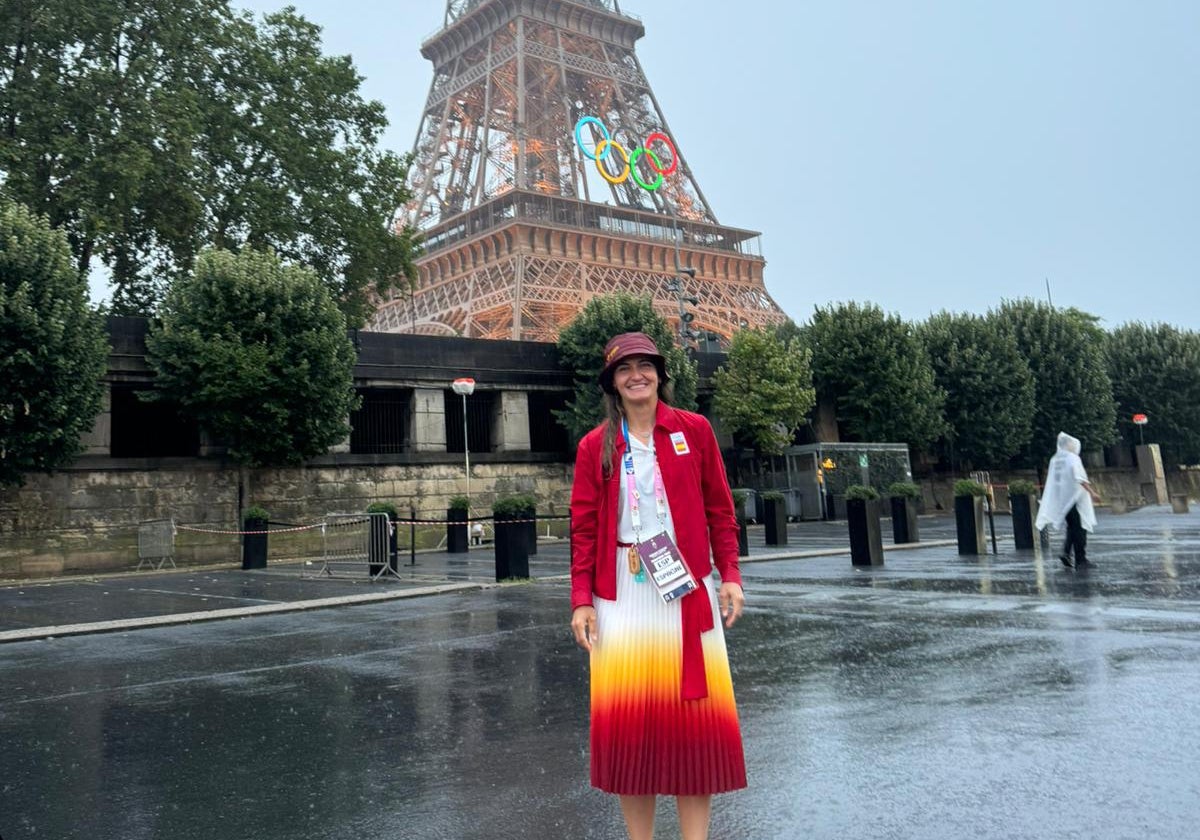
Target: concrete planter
(775, 519)
(512, 550)
(457, 535)
(1024, 515)
(530, 528)
(968, 522)
(866, 542)
(904, 520)
(1179, 503)
(254, 546)
(743, 538)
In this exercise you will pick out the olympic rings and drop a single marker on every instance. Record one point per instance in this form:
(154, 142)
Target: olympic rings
(606, 145)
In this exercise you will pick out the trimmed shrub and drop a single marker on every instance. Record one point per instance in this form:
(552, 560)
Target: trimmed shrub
(861, 492)
(904, 489)
(384, 507)
(1021, 487)
(967, 487)
(255, 512)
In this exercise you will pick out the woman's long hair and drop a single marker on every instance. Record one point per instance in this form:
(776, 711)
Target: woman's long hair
(614, 412)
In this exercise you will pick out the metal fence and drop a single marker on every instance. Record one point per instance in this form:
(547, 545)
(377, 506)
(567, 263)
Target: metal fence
(156, 543)
(356, 543)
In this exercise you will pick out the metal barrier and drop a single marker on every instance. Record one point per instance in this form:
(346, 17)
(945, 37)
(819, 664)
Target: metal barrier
(352, 543)
(156, 543)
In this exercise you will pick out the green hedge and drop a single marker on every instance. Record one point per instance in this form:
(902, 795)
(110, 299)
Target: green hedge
(861, 492)
(1021, 487)
(966, 487)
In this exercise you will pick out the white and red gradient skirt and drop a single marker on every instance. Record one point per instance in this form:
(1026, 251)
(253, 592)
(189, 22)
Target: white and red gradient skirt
(645, 739)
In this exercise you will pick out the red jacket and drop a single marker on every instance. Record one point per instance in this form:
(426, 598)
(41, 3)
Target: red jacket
(694, 482)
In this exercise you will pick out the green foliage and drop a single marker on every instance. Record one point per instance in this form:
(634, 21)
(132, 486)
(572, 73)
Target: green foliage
(764, 390)
(513, 505)
(459, 503)
(257, 352)
(861, 492)
(254, 513)
(1155, 370)
(988, 385)
(876, 372)
(148, 130)
(1021, 487)
(384, 507)
(1072, 391)
(771, 496)
(739, 499)
(581, 345)
(904, 490)
(967, 487)
(53, 351)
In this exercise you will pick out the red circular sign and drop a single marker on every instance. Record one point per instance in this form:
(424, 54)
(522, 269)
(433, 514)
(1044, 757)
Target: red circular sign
(1140, 419)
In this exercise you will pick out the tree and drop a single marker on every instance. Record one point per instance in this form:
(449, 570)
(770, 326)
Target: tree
(581, 345)
(988, 385)
(257, 352)
(1072, 391)
(764, 390)
(875, 371)
(149, 129)
(1155, 370)
(53, 351)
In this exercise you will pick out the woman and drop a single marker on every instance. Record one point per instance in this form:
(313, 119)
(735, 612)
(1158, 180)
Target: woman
(663, 718)
(1068, 496)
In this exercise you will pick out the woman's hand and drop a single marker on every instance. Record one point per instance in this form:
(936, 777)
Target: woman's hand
(583, 625)
(732, 601)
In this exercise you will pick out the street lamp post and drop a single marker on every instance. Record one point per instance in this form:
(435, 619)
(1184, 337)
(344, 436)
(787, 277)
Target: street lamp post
(465, 386)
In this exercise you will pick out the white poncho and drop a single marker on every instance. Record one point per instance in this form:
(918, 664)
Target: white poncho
(1064, 488)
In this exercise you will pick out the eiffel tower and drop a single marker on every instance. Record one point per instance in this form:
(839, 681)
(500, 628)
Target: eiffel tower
(545, 174)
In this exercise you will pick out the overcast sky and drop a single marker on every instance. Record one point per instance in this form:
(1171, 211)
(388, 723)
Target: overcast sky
(920, 155)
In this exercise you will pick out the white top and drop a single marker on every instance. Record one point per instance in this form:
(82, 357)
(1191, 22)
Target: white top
(643, 472)
(1064, 488)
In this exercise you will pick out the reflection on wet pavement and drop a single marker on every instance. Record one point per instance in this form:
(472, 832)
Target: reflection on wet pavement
(935, 697)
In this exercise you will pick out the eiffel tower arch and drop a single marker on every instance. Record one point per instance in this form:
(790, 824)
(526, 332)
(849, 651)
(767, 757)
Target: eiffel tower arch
(545, 174)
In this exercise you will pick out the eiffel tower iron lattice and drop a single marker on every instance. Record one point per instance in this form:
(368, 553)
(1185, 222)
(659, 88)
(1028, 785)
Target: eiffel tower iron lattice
(522, 226)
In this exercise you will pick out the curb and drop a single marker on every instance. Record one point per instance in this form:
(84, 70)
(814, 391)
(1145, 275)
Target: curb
(38, 633)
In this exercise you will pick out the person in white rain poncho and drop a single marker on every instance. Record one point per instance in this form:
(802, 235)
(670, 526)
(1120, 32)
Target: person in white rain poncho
(1068, 497)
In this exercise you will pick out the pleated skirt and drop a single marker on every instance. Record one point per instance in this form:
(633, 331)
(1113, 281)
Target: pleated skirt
(645, 739)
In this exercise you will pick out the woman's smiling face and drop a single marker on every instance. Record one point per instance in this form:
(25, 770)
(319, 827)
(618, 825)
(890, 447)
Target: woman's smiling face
(636, 379)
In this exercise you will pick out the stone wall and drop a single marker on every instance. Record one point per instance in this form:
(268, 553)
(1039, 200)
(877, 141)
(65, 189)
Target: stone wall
(85, 520)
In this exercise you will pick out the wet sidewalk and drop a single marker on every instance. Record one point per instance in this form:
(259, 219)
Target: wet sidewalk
(71, 606)
(935, 698)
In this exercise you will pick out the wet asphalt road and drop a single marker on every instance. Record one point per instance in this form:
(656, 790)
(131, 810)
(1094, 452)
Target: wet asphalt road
(936, 697)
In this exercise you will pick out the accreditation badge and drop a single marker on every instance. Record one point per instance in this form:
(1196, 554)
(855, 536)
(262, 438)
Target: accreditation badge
(661, 557)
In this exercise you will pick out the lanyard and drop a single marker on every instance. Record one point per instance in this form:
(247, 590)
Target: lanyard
(631, 492)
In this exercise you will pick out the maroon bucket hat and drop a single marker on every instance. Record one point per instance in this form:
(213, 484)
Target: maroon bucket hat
(623, 346)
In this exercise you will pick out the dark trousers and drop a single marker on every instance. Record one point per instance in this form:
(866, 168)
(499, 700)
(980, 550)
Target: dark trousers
(1076, 537)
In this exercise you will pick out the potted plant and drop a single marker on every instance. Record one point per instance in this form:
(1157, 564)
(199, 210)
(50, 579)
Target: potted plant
(774, 517)
(968, 516)
(1022, 500)
(739, 510)
(862, 520)
(457, 515)
(904, 497)
(255, 522)
(381, 548)
(512, 548)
